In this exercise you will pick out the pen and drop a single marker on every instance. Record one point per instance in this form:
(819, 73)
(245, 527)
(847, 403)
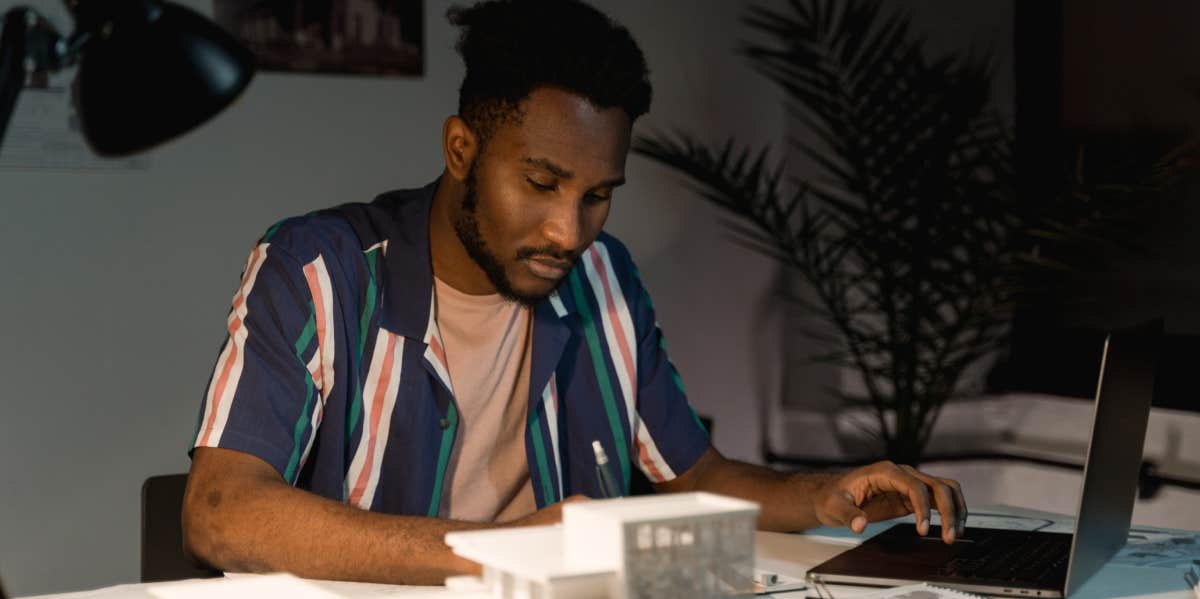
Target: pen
(604, 475)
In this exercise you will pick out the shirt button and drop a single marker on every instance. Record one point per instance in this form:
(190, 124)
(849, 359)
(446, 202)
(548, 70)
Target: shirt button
(445, 424)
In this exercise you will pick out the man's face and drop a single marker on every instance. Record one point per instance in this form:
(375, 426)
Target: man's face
(539, 193)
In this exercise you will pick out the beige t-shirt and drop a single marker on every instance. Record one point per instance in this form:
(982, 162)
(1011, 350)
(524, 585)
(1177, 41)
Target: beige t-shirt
(488, 344)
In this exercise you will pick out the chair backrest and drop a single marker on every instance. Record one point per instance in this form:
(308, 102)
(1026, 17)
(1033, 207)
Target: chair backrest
(163, 557)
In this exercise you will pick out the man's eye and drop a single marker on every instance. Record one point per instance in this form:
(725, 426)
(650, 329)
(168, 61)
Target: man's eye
(597, 198)
(541, 186)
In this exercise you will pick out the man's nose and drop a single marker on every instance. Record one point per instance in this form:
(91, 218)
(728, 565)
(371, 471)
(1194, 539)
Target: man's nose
(561, 227)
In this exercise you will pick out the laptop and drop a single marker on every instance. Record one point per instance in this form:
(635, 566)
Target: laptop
(1031, 563)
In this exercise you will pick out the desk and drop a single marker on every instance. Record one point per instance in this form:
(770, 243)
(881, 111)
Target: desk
(788, 554)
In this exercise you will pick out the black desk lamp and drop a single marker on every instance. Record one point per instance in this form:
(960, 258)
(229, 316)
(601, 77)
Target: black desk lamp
(149, 70)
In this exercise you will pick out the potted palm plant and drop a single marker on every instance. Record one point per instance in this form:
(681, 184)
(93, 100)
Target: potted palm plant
(909, 231)
(910, 234)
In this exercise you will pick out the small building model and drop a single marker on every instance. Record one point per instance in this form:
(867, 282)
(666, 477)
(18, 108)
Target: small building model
(686, 545)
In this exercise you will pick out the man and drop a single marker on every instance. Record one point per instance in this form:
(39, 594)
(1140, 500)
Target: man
(443, 358)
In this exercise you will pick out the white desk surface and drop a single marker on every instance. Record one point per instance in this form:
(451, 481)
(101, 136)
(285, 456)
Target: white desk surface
(787, 554)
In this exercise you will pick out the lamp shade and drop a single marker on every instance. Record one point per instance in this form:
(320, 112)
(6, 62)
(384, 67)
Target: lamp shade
(151, 71)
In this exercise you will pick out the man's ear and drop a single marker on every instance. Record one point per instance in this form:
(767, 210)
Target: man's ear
(460, 147)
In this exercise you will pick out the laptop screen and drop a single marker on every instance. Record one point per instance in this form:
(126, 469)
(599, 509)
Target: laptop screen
(1114, 457)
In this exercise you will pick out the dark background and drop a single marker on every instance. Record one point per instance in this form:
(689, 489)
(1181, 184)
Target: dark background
(1112, 79)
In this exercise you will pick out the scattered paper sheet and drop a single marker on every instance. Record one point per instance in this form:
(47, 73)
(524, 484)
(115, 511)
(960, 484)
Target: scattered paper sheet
(916, 591)
(1160, 548)
(242, 587)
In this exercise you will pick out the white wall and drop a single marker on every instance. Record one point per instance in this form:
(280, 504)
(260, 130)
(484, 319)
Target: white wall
(117, 284)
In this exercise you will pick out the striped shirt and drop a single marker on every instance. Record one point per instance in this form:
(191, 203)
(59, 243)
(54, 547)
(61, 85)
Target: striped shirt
(334, 373)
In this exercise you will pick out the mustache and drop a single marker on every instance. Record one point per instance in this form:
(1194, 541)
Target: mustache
(553, 253)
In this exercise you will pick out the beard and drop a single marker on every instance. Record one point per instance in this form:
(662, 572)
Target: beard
(466, 227)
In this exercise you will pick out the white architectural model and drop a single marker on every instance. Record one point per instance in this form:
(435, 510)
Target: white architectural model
(693, 545)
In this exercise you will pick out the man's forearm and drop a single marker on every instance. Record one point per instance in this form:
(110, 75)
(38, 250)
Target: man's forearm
(785, 499)
(285, 529)
(880, 491)
(256, 524)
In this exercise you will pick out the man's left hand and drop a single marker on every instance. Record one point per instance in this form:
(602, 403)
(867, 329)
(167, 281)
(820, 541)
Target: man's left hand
(883, 491)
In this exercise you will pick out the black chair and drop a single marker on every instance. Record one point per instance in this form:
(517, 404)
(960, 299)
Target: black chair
(163, 557)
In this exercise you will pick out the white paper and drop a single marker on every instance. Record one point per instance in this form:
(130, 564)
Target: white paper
(1160, 548)
(242, 587)
(916, 591)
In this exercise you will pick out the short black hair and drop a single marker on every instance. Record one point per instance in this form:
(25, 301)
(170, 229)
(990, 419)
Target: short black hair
(512, 46)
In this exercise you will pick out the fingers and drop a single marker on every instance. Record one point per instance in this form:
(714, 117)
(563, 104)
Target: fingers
(895, 478)
(886, 490)
(945, 499)
(840, 510)
(961, 501)
(886, 506)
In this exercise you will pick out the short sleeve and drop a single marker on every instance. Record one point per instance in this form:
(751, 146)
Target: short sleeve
(669, 436)
(262, 398)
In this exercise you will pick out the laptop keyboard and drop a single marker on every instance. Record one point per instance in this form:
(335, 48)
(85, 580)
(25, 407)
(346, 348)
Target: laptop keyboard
(1036, 558)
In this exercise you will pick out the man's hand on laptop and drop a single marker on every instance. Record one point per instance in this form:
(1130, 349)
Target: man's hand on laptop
(883, 491)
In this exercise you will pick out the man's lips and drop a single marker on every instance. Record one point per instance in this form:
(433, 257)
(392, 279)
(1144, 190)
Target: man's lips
(547, 268)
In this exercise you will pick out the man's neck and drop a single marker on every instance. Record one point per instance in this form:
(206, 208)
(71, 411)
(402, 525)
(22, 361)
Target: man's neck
(451, 262)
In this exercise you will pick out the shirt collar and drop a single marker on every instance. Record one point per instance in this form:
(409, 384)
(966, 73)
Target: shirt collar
(408, 269)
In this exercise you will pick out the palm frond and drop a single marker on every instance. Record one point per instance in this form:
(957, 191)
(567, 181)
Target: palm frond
(910, 233)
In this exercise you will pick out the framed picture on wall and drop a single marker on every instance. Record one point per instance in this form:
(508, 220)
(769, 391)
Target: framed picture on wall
(356, 37)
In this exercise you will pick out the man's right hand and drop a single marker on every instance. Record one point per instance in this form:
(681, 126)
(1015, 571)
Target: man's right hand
(551, 514)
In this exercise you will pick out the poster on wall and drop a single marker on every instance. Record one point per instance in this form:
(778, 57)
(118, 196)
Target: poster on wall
(44, 134)
(357, 37)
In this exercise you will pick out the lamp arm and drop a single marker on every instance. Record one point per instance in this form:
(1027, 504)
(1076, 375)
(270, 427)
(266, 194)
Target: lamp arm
(29, 42)
(12, 62)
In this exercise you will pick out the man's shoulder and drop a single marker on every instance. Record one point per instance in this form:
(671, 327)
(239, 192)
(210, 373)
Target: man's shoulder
(322, 233)
(351, 228)
(614, 251)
